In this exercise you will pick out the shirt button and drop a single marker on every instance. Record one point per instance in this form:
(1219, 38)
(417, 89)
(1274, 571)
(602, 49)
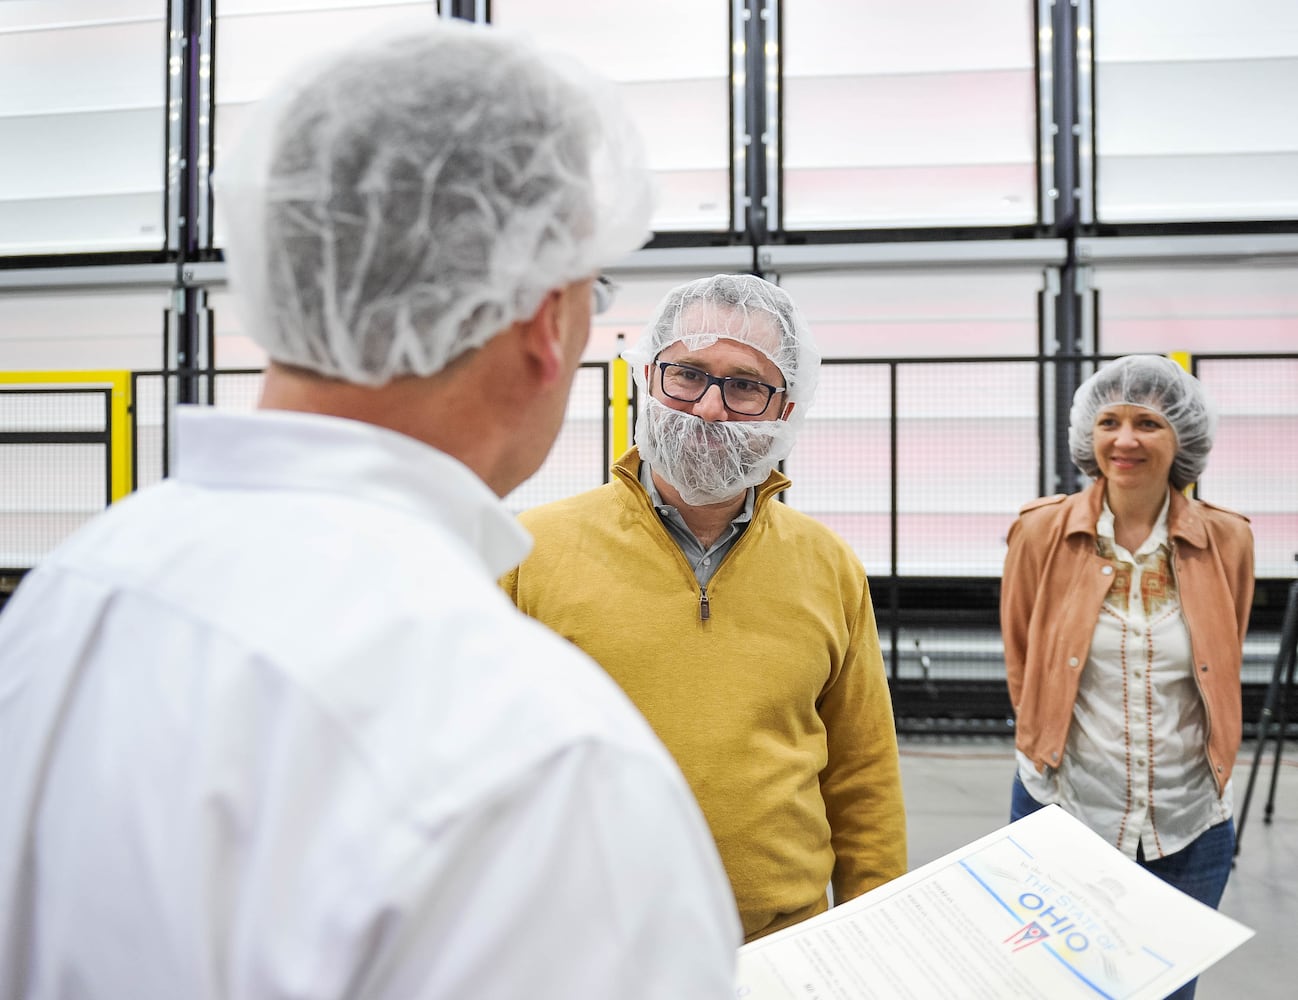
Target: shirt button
(707, 561)
(1107, 570)
(1072, 661)
(1055, 756)
(1136, 671)
(1203, 667)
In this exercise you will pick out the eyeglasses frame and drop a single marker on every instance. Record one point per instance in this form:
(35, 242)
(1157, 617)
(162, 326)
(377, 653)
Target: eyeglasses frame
(720, 381)
(602, 291)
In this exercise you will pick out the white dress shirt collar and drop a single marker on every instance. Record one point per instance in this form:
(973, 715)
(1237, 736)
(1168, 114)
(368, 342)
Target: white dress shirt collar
(288, 450)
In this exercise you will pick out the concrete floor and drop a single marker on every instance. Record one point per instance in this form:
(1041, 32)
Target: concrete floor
(958, 788)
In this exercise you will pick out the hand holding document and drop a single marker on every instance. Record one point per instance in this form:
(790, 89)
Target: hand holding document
(1042, 908)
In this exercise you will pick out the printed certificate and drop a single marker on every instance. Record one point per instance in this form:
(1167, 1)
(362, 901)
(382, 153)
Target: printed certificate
(1042, 908)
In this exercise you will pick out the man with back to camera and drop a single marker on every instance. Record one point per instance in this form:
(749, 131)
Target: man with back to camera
(270, 728)
(742, 628)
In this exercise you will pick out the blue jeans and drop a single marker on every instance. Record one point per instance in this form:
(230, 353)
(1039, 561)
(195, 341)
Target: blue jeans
(1199, 869)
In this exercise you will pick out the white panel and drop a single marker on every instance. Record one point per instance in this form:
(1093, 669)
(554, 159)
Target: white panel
(62, 67)
(1193, 111)
(1202, 188)
(681, 103)
(1168, 30)
(1198, 107)
(77, 78)
(684, 122)
(131, 140)
(919, 314)
(899, 115)
(45, 13)
(259, 42)
(1197, 308)
(233, 8)
(672, 58)
(628, 40)
(81, 330)
(234, 348)
(97, 222)
(828, 37)
(957, 118)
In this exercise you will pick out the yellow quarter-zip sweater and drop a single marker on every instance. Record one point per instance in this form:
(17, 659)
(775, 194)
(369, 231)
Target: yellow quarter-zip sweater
(775, 705)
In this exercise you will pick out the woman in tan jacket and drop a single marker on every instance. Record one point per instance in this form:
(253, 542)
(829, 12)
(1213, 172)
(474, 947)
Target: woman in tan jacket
(1123, 612)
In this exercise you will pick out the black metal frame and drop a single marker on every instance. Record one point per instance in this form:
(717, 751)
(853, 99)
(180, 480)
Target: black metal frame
(10, 576)
(188, 360)
(1274, 707)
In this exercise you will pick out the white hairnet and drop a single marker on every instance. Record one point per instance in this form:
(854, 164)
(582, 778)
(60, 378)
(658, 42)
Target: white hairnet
(708, 462)
(406, 199)
(740, 307)
(1155, 383)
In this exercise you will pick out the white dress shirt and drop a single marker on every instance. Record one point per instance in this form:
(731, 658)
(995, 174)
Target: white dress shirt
(1134, 768)
(270, 729)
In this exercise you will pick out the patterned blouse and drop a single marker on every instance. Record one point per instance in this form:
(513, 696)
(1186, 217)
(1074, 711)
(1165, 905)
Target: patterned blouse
(1134, 768)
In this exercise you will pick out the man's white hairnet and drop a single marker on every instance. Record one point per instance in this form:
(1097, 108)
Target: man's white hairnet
(404, 200)
(740, 307)
(710, 462)
(1155, 383)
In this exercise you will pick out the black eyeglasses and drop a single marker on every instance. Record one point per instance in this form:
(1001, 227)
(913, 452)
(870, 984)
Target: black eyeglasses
(601, 295)
(745, 396)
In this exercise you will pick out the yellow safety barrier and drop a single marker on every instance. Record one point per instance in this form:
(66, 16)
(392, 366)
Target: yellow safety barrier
(119, 419)
(1182, 358)
(620, 425)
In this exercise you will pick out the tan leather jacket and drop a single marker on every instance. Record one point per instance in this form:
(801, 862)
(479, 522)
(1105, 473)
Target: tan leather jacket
(1051, 592)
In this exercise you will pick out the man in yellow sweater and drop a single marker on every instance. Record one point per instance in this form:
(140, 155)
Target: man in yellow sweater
(741, 628)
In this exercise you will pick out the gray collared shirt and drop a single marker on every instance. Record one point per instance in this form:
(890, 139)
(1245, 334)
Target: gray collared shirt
(704, 561)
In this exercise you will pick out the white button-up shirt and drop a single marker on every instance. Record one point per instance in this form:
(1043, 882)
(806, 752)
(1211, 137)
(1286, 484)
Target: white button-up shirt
(270, 729)
(1134, 769)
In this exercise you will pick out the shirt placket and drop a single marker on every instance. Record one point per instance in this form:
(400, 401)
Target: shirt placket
(1136, 664)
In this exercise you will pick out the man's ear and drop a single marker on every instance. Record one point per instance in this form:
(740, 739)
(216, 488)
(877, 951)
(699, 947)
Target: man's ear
(542, 338)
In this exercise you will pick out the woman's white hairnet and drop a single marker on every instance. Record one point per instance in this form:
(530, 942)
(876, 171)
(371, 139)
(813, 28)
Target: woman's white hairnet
(1155, 383)
(404, 200)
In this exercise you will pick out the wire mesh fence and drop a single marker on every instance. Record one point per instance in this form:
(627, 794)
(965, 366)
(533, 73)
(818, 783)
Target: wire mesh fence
(920, 464)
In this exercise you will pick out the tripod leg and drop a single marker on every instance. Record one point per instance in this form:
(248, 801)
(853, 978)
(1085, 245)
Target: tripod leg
(1263, 728)
(1288, 640)
(1281, 723)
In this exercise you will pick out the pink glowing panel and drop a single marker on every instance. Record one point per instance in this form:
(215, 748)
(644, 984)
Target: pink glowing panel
(919, 313)
(928, 544)
(1197, 308)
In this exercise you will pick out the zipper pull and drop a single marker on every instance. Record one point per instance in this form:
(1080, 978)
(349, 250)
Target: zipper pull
(705, 610)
